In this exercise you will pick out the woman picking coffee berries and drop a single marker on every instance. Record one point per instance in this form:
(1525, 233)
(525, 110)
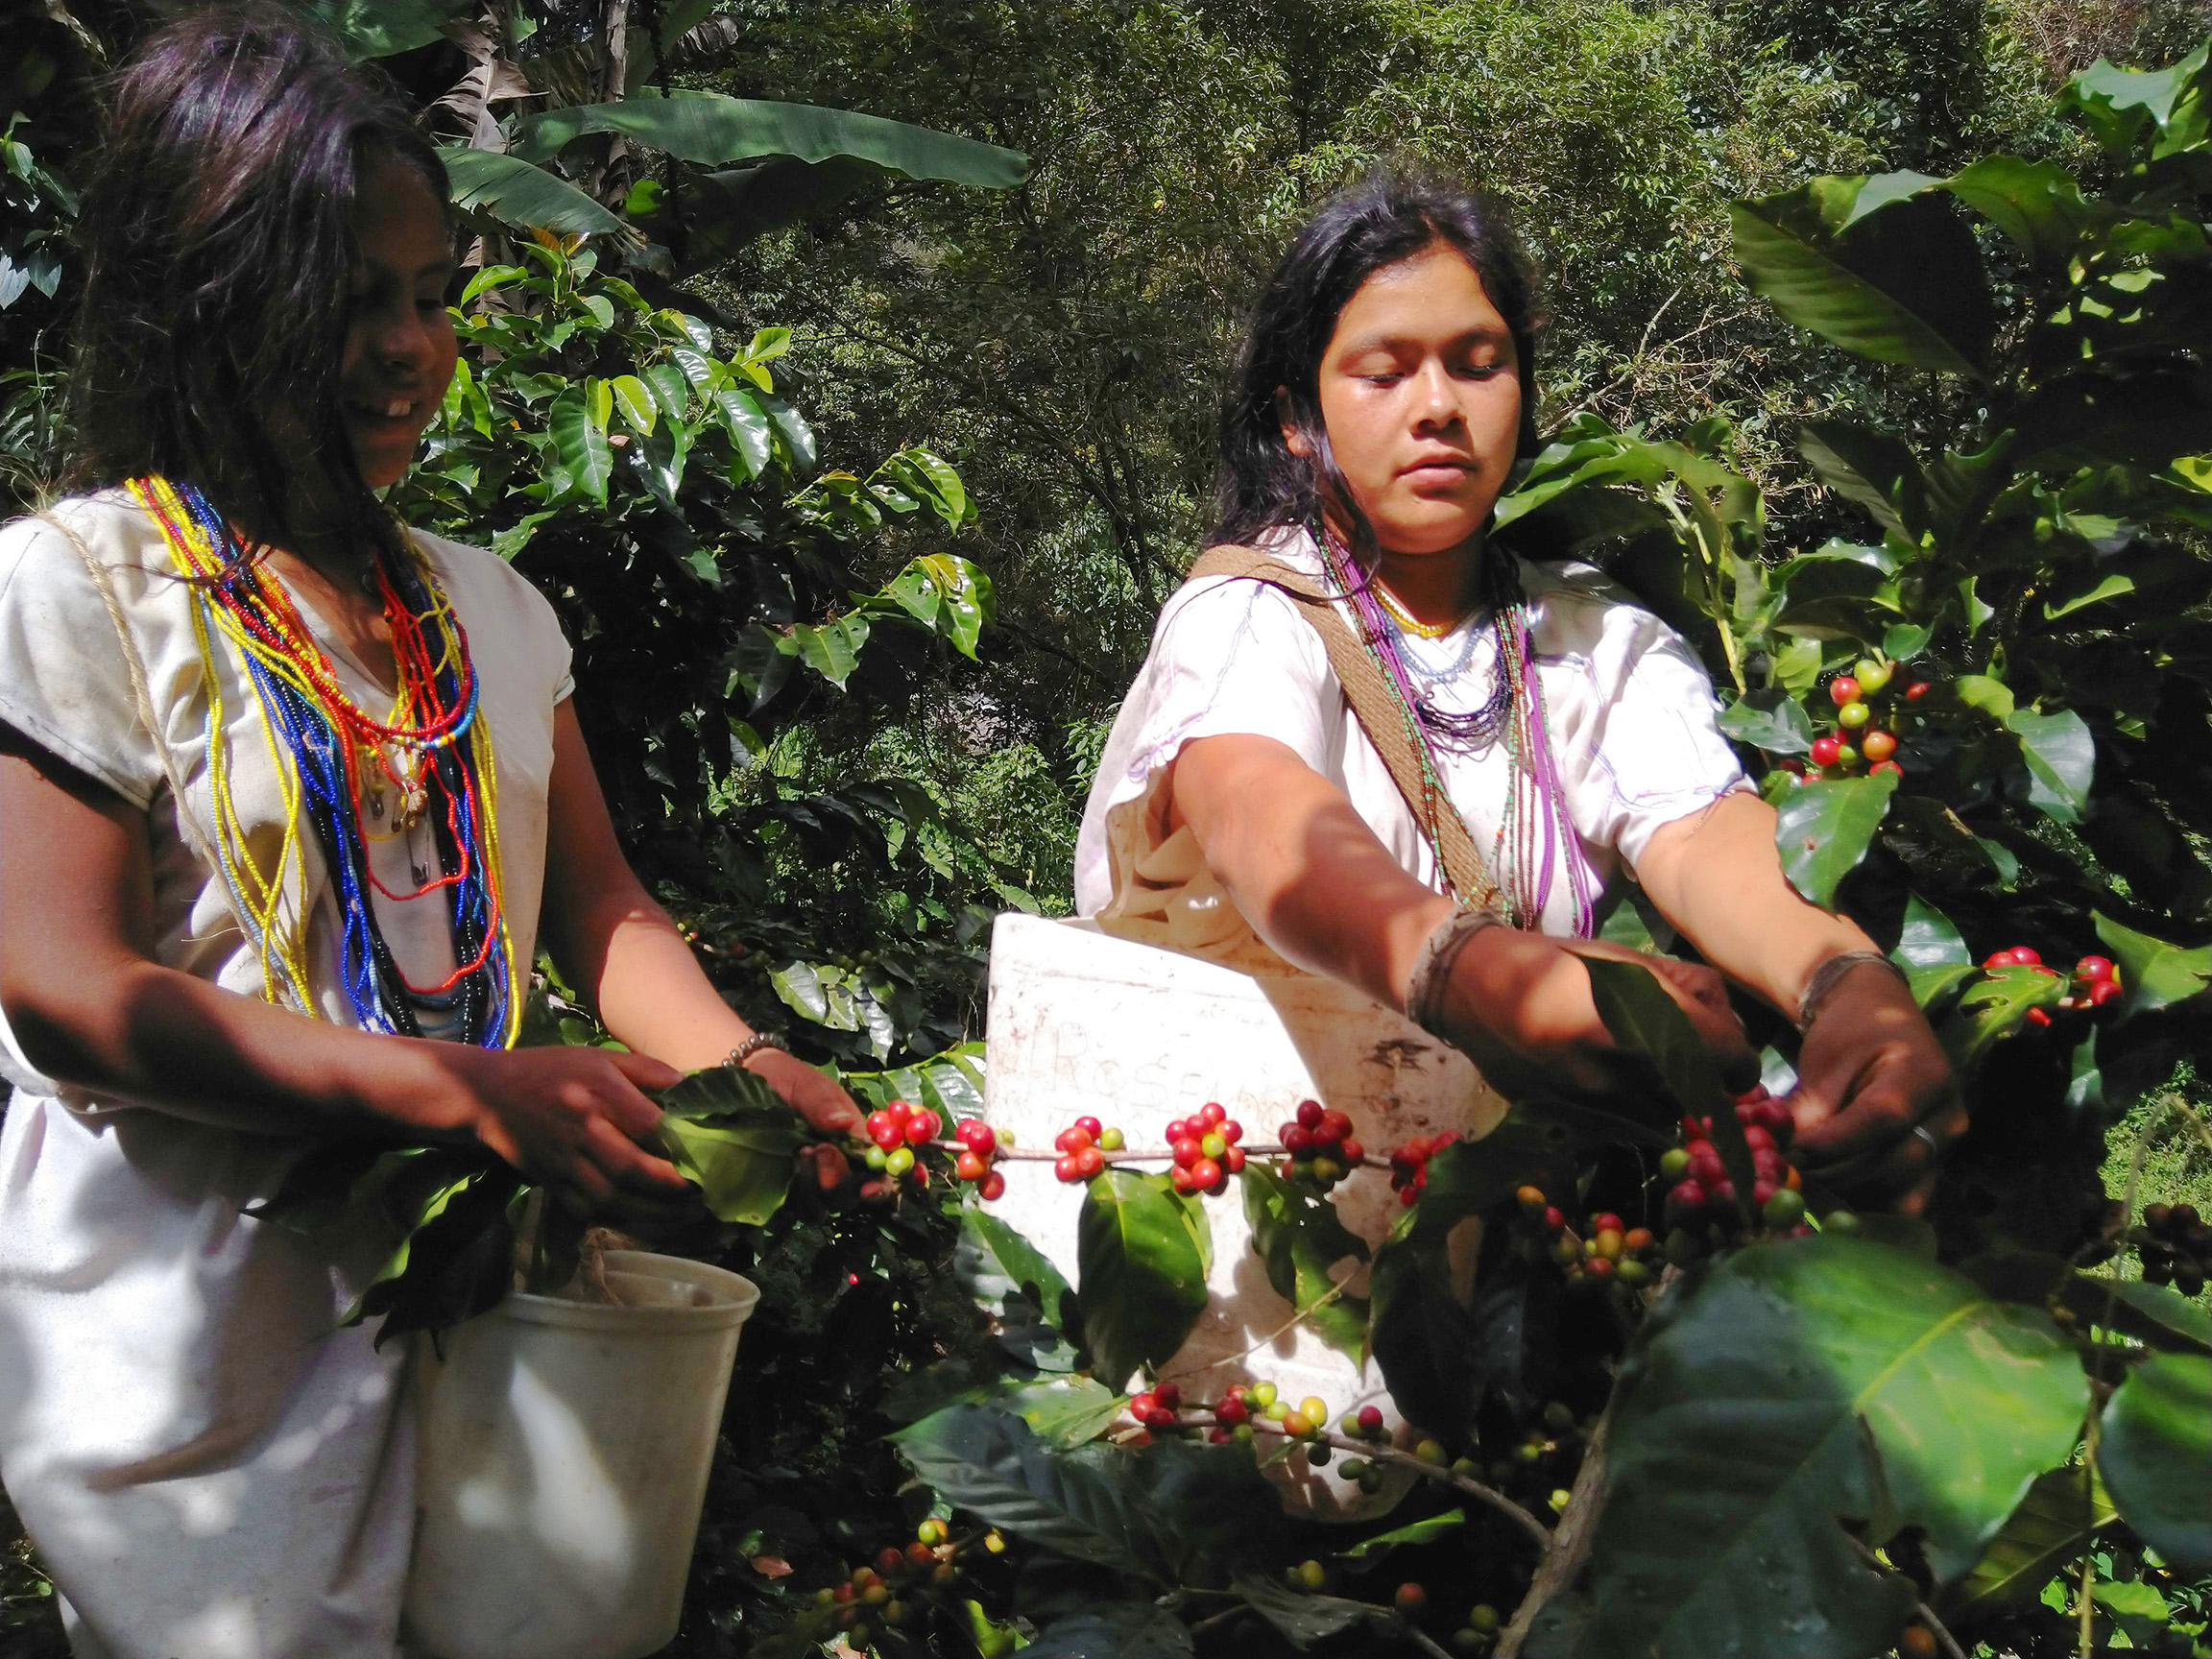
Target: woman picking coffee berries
(1372, 744)
(291, 792)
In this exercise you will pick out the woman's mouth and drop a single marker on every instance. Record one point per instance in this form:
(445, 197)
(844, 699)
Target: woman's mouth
(383, 413)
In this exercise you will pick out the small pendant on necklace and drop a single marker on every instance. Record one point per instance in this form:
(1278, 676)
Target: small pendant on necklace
(376, 803)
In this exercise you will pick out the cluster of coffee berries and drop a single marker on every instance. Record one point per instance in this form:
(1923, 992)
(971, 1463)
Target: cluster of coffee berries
(2176, 1246)
(1321, 1148)
(1838, 753)
(1365, 1424)
(1702, 1196)
(1479, 1634)
(1605, 1251)
(2095, 981)
(1083, 1146)
(1410, 1166)
(890, 1594)
(896, 1134)
(978, 1147)
(1205, 1150)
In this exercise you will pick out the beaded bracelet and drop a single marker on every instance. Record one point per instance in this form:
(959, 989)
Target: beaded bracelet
(753, 1046)
(1431, 974)
(1831, 973)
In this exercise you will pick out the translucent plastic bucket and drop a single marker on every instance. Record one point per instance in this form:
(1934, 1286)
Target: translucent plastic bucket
(564, 1449)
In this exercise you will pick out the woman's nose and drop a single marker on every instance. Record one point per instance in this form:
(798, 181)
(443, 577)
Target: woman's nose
(1435, 402)
(400, 339)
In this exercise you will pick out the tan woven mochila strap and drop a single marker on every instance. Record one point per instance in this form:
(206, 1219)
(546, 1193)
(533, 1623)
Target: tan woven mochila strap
(1377, 709)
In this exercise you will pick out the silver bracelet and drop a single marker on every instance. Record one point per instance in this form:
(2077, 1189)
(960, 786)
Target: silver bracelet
(1431, 974)
(1831, 973)
(753, 1046)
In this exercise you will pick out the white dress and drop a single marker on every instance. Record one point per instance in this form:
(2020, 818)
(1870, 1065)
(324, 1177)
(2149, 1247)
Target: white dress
(1630, 710)
(209, 1469)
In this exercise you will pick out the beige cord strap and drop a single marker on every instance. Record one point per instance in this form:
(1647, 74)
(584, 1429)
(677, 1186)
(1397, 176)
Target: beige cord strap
(1374, 705)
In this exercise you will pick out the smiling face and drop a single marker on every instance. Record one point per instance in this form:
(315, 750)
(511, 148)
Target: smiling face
(1421, 396)
(400, 346)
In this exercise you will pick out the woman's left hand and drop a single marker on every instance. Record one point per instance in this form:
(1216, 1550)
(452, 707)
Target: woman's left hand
(817, 1099)
(1875, 1102)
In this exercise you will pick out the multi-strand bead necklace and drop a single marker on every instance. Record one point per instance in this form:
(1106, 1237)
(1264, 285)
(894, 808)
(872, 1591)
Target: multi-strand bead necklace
(431, 748)
(1535, 833)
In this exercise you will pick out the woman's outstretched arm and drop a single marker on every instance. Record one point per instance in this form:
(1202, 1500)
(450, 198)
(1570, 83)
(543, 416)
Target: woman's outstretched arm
(91, 1009)
(626, 958)
(1306, 872)
(1870, 1071)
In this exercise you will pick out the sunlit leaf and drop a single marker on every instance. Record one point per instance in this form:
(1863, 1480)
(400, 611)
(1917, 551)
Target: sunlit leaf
(1823, 830)
(2155, 1450)
(1799, 1387)
(1142, 1251)
(2154, 974)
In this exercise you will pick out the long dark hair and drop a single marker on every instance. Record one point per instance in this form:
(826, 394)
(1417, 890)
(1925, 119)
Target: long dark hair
(1384, 218)
(218, 260)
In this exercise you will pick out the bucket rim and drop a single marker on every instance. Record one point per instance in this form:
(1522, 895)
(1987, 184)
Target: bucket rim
(739, 1296)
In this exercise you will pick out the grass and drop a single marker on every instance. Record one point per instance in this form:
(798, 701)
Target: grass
(2172, 1128)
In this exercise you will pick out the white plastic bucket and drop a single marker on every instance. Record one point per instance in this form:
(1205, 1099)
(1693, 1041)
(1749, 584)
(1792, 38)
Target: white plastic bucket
(1084, 1023)
(563, 1446)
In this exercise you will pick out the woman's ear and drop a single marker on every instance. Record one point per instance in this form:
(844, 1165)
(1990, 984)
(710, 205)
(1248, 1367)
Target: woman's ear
(1294, 435)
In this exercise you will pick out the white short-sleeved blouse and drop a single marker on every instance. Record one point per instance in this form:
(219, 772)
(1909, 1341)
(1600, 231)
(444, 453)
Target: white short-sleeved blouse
(1629, 708)
(211, 1471)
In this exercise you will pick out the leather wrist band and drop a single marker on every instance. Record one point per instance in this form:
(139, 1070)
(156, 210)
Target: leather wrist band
(753, 1046)
(1432, 975)
(1832, 972)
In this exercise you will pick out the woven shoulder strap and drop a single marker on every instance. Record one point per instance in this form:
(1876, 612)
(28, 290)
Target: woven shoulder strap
(1374, 705)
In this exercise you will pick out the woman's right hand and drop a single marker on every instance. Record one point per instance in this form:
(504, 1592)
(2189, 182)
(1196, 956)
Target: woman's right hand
(1521, 1006)
(571, 1118)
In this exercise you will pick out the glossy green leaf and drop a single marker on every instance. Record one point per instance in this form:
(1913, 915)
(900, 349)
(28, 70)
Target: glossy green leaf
(2153, 1314)
(1303, 1616)
(711, 130)
(2063, 1511)
(380, 28)
(1772, 721)
(1904, 640)
(746, 423)
(1823, 830)
(1903, 285)
(1019, 1286)
(1370, 1550)
(2155, 1450)
(1298, 1237)
(833, 650)
(491, 277)
(2154, 974)
(635, 403)
(994, 1466)
(2125, 106)
(515, 193)
(598, 402)
(1872, 468)
(1171, 1511)
(1994, 1006)
(1141, 1252)
(2062, 757)
(1927, 939)
(793, 434)
(736, 1137)
(1063, 1412)
(2038, 205)
(586, 464)
(1797, 1387)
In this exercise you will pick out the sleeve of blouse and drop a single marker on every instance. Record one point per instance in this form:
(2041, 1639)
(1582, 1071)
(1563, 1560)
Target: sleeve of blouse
(1228, 656)
(62, 680)
(1657, 752)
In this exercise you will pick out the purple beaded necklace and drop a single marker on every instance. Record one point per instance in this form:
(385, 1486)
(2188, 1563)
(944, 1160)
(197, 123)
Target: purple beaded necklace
(1536, 827)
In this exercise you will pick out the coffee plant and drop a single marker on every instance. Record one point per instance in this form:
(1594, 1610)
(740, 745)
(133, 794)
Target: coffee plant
(1694, 1403)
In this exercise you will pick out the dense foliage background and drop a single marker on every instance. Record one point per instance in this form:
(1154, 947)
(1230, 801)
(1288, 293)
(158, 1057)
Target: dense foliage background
(860, 483)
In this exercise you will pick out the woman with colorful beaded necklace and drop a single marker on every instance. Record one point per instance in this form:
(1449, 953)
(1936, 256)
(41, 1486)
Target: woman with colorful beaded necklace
(1367, 744)
(291, 794)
